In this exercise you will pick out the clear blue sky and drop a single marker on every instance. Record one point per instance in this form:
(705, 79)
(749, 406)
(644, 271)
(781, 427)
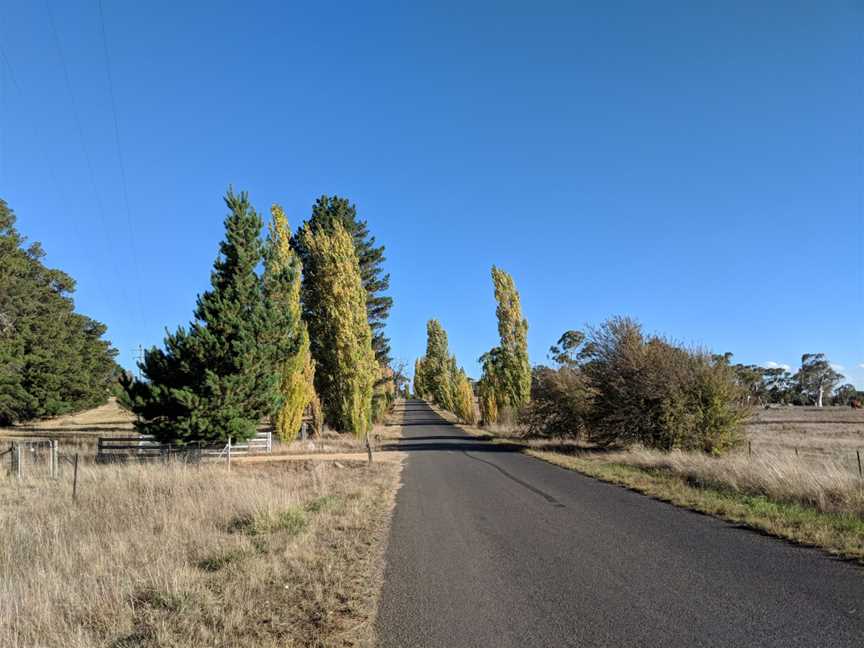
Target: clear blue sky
(699, 168)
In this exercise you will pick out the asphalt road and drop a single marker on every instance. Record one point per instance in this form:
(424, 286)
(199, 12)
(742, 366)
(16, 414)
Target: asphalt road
(493, 548)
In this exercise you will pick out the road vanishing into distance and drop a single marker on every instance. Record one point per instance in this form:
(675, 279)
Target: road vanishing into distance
(489, 547)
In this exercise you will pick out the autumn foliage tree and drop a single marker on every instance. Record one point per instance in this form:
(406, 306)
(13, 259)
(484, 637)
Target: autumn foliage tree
(282, 280)
(506, 380)
(335, 300)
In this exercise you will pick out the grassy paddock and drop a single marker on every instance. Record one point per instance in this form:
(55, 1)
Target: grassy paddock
(270, 555)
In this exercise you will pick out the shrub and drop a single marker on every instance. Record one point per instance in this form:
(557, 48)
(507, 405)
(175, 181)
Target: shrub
(560, 403)
(650, 391)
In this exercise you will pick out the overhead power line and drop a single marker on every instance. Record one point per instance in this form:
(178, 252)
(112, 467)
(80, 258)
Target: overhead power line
(124, 184)
(77, 118)
(58, 187)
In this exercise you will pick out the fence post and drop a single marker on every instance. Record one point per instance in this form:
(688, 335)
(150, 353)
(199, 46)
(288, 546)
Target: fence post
(229, 453)
(749, 448)
(368, 447)
(75, 479)
(16, 460)
(860, 474)
(54, 458)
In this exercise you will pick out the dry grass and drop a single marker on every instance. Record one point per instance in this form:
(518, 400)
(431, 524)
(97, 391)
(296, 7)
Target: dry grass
(273, 555)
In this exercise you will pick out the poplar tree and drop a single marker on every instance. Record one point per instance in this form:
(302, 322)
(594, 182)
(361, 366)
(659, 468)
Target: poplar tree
(335, 300)
(419, 378)
(296, 369)
(437, 366)
(487, 388)
(464, 399)
(326, 212)
(216, 380)
(511, 356)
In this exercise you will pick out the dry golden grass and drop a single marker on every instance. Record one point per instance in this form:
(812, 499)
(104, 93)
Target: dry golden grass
(283, 554)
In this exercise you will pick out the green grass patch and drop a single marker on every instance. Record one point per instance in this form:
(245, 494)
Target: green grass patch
(323, 503)
(292, 521)
(841, 534)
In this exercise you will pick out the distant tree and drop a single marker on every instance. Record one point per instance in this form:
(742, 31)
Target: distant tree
(420, 389)
(515, 368)
(464, 399)
(327, 211)
(845, 394)
(561, 397)
(563, 352)
(816, 377)
(437, 366)
(488, 389)
(346, 369)
(216, 380)
(779, 385)
(52, 359)
(282, 276)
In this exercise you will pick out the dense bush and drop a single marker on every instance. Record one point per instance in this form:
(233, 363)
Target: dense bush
(649, 391)
(560, 403)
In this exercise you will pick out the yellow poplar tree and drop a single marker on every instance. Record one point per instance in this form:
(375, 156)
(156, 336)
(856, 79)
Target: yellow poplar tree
(348, 370)
(282, 282)
(464, 399)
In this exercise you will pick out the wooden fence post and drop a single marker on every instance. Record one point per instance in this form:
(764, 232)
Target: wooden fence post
(229, 453)
(75, 479)
(860, 474)
(54, 458)
(16, 460)
(749, 448)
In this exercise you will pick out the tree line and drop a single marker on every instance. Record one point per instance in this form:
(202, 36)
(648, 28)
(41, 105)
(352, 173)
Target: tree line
(306, 332)
(613, 384)
(53, 360)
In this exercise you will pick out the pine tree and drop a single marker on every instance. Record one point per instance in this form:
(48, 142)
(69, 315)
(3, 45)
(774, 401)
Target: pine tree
(327, 211)
(218, 379)
(514, 367)
(52, 359)
(282, 276)
(346, 368)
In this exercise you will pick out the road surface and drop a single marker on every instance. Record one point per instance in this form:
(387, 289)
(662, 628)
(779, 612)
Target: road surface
(489, 547)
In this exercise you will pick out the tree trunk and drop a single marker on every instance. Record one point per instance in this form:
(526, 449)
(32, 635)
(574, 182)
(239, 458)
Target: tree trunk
(819, 399)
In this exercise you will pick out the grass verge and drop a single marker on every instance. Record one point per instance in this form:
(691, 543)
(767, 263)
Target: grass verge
(287, 554)
(818, 506)
(839, 533)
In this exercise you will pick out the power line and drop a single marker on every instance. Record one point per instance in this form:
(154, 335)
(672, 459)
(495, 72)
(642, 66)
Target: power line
(58, 187)
(132, 245)
(100, 207)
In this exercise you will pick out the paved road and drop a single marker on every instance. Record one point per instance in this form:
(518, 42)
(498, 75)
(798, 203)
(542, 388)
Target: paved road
(492, 548)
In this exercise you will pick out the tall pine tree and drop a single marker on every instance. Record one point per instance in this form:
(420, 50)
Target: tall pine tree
(282, 276)
(335, 303)
(52, 359)
(217, 379)
(327, 211)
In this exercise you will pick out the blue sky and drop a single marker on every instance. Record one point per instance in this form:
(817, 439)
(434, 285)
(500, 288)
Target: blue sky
(699, 168)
